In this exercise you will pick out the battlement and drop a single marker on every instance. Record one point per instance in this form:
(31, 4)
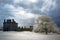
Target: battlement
(9, 21)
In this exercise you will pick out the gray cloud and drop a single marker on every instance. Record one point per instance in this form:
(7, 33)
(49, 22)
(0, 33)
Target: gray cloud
(33, 8)
(55, 14)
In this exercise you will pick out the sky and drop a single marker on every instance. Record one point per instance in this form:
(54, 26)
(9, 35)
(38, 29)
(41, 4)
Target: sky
(25, 11)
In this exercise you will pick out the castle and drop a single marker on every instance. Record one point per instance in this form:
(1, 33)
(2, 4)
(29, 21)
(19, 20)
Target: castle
(10, 25)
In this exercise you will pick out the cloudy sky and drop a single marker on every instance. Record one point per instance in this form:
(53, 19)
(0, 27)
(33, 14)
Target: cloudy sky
(24, 11)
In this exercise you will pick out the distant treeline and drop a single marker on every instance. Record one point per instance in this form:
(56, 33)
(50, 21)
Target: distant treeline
(25, 28)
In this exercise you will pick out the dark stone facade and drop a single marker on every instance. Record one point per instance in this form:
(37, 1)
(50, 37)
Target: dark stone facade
(10, 25)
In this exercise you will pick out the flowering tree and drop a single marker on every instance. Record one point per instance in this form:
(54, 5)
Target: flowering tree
(44, 24)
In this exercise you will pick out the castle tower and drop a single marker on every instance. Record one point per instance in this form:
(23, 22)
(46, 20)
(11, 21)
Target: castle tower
(10, 25)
